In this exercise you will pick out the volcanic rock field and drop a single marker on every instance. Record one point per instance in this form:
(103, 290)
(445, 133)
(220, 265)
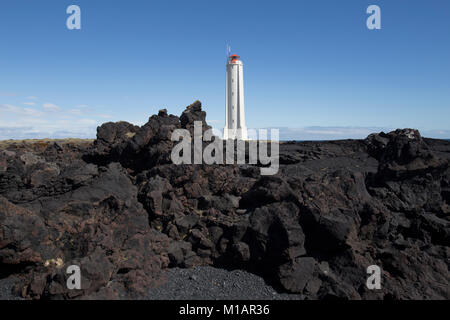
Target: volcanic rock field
(130, 219)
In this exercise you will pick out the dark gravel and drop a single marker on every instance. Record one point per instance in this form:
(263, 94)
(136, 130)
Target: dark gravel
(208, 283)
(198, 283)
(6, 286)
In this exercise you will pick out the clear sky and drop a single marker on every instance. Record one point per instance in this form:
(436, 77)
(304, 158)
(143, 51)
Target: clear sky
(312, 68)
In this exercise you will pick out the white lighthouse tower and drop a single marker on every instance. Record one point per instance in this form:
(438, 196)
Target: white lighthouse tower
(235, 127)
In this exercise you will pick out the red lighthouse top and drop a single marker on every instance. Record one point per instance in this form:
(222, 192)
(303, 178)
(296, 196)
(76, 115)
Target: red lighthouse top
(234, 58)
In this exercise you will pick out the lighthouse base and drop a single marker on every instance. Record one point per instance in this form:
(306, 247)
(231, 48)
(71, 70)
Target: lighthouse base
(235, 134)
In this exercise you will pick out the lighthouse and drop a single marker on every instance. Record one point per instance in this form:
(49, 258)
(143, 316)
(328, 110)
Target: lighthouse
(234, 111)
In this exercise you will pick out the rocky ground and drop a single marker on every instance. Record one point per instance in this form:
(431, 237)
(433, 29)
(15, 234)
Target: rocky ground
(139, 226)
(209, 283)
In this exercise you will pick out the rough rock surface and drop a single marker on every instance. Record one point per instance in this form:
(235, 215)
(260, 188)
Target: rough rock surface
(123, 212)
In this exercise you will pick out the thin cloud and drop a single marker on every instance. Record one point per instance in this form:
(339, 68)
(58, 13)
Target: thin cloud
(8, 94)
(51, 121)
(90, 122)
(39, 128)
(328, 133)
(104, 116)
(50, 107)
(337, 133)
(76, 112)
(11, 109)
(29, 103)
(26, 132)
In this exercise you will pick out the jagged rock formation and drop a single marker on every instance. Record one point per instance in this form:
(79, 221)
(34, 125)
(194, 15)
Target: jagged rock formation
(123, 212)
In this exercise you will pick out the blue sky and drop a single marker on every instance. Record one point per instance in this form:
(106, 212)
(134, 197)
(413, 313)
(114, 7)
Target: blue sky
(310, 67)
